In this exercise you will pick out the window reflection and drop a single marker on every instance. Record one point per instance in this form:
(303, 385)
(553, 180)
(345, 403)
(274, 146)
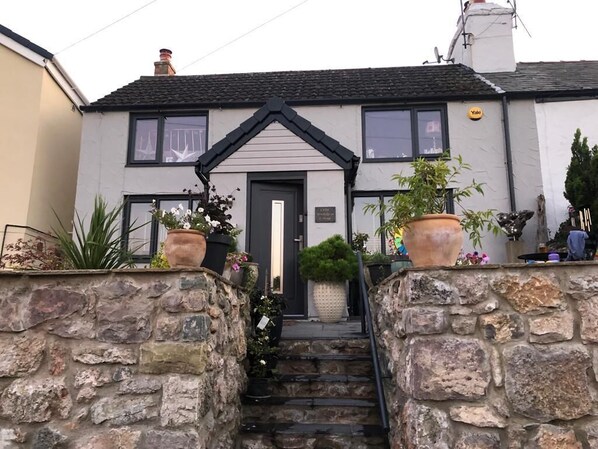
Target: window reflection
(140, 239)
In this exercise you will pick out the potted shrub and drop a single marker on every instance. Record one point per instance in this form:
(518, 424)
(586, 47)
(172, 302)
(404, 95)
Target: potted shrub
(431, 236)
(185, 244)
(329, 264)
(233, 269)
(262, 343)
(377, 268)
(216, 208)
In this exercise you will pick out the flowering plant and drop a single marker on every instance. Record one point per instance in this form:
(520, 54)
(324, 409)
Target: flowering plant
(473, 259)
(261, 346)
(260, 354)
(181, 218)
(236, 259)
(217, 207)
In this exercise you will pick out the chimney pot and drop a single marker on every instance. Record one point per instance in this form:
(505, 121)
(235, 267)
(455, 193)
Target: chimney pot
(165, 54)
(164, 67)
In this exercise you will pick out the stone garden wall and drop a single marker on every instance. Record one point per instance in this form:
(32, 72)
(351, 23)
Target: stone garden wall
(491, 357)
(129, 359)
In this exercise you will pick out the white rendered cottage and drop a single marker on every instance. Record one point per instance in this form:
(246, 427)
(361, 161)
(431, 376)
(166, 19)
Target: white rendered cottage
(308, 149)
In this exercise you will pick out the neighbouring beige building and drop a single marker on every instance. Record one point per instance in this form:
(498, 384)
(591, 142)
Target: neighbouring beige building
(40, 132)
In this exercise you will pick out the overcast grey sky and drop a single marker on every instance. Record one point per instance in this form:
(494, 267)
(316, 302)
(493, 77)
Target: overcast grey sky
(314, 34)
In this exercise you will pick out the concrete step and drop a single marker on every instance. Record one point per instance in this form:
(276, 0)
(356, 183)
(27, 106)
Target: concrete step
(351, 364)
(311, 436)
(324, 385)
(311, 410)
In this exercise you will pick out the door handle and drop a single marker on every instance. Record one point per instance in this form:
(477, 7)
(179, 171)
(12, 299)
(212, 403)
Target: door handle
(300, 241)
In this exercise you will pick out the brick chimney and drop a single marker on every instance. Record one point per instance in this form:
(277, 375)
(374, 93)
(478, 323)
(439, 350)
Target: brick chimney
(489, 36)
(164, 67)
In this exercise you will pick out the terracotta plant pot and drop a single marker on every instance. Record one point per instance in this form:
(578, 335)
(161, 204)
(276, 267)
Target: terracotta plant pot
(185, 248)
(330, 299)
(433, 240)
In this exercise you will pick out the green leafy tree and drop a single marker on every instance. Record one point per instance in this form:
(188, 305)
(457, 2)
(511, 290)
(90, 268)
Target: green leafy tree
(581, 183)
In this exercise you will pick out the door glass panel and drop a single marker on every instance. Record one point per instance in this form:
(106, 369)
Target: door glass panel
(277, 247)
(139, 240)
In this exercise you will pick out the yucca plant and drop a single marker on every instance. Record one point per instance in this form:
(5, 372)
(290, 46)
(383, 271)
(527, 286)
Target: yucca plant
(99, 246)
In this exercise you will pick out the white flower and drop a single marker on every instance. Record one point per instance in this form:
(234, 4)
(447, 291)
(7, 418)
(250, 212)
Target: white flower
(173, 210)
(200, 210)
(188, 213)
(163, 212)
(208, 219)
(181, 207)
(187, 226)
(177, 212)
(214, 223)
(262, 362)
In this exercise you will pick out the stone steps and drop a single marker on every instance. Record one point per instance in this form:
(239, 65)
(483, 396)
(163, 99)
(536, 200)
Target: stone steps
(311, 410)
(310, 436)
(324, 385)
(351, 364)
(323, 397)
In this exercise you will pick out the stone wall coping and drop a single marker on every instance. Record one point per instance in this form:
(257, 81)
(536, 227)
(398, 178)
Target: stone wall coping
(120, 271)
(509, 266)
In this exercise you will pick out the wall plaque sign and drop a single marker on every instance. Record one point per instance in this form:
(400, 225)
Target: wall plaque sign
(326, 214)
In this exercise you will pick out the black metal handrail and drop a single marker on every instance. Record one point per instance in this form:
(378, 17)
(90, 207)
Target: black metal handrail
(367, 327)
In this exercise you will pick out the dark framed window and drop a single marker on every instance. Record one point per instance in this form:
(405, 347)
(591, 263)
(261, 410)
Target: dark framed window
(157, 139)
(145, 241)
(405, 133)
(368, 223)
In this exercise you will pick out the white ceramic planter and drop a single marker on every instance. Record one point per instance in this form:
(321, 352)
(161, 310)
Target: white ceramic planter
(330, 299)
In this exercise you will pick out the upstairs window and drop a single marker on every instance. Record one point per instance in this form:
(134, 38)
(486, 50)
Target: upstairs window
(404, 133)
(167, 139)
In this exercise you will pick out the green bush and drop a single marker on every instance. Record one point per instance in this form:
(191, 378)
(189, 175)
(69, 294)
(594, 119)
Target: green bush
(376, 258)
(332, 260)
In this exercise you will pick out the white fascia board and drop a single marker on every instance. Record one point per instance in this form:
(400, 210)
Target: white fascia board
(65, 82)
(22, 50)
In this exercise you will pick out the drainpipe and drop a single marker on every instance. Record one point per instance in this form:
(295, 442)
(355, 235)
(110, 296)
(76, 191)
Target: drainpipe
(348, 204)
(508, 153)
(205, 180)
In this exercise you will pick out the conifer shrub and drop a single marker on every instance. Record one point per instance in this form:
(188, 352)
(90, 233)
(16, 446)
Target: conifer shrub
(332, 260)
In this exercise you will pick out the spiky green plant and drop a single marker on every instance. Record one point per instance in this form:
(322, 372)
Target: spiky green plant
(101, 245)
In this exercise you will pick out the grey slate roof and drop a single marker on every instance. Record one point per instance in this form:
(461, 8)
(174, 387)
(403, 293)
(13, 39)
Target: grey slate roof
(549, 78)
(356, 86)
(26, 42)
(277, 110)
